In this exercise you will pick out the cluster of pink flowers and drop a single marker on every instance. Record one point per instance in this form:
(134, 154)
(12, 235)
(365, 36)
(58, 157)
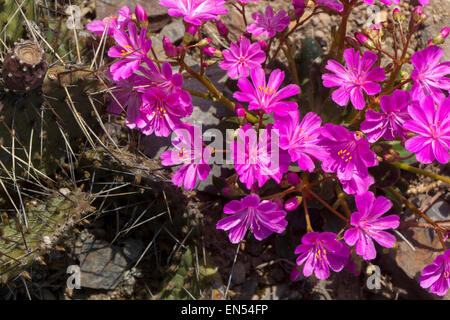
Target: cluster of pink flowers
(152, 96)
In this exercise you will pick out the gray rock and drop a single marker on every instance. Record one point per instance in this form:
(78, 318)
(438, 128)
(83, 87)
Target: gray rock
(102, 265)
(439, 16)
(106, 8)
(174, 31)
(440, 210)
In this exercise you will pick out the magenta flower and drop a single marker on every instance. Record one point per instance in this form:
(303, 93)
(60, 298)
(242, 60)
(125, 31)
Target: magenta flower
(301, 141)
(369, 225)
(319, 252)
(267, 97)
(126, 98)
(436, 276)
(165, 80)
(359, 183)
(333, 4)
(160, 112)
(433, 130)
(188, 151)
(194, 11)
(262, 217)
(268, 24)
(429, 75)
(113, 23)
(349, 153)
(388, 124)
(352, 81)
(240, 58)
(132, 50)
(257, 159)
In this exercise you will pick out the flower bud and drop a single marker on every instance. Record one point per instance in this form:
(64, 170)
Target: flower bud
(222, 28)
(212, 52)
(396, 15)
(209, 51)
(299, 7)
(240, 111)
(141, 14)
(440, 37)
(362, 38)
(417, 12)
(191, 29)
(293, 178)
(262, 44)
(203, 43)
(169, 48)
(292, 203)
(417, 16)
(375, 31)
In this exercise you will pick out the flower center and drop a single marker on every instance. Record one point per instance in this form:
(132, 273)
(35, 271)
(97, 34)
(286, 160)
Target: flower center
(109, 19)
(159, 112)
(302, 137)
(242, 60)
(124, 53)
(184, 155)
(321, 255)
(435, 128)
(267, 91)
(345, 155)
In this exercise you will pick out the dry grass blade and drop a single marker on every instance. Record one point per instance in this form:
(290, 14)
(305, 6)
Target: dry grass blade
(231, 272)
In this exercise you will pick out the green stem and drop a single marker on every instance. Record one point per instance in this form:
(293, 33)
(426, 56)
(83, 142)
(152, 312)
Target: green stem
(307, 218)
(406, 167)
(198, 94)
(217, 96)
